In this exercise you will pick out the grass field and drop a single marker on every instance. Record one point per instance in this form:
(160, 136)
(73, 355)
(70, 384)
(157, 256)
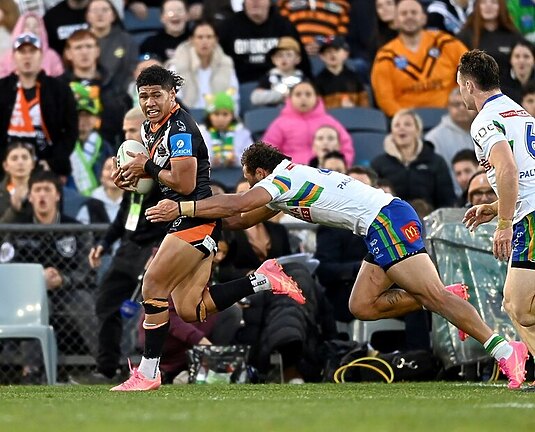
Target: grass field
(431, 407)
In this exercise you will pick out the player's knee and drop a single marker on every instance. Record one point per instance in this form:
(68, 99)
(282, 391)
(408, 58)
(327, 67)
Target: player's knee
(186, 312)
(520, 313)
(153, 286)
(362, 311)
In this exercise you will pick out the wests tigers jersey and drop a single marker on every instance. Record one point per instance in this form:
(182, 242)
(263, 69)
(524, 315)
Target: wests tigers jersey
(178, 137)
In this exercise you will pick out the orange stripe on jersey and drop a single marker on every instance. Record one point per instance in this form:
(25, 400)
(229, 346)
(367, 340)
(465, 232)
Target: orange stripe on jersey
(196, 233)
(154, 128)
(180, 158)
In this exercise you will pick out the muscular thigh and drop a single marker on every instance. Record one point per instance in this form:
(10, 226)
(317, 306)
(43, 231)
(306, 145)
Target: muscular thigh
(188, 293)
(175, 260)
(519, 288)
(371, 282)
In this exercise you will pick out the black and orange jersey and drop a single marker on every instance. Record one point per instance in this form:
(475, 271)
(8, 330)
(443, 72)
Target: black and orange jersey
(178, 137)
(402, 78)
(346, 86)
(318, 18)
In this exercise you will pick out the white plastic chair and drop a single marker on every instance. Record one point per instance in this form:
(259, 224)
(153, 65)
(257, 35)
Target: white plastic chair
(305, 258)
(363, 330)
(24, 310)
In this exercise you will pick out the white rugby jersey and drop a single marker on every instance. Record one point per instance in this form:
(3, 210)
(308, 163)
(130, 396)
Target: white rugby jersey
(502, 119)
(324, 197)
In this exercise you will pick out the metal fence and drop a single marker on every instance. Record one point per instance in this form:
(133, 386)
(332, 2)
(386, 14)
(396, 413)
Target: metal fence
(64, 248)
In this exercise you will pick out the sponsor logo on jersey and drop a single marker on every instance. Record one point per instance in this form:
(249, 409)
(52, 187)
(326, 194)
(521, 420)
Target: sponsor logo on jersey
(515, 113)
(181, 126)
(401, 62)
(181, 145)
(411, 232)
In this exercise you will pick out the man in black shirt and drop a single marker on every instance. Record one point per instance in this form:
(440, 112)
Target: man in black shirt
(174, 17)
(248, 36)
(64, 19)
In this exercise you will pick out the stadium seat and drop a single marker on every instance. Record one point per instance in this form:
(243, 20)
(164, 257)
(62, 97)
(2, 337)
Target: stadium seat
(430, 116)
(229, 177)
(245, 96)
(367, 146)
(358, 119)
(141, 29)
(363, 330)
(257, 120)
(24, 310)
(198, 114)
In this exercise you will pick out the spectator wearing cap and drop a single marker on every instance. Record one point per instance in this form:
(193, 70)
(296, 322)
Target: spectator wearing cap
(418, 68)
(204, 66)
(249, 35)
(339, 86)
(225, 136)
(174, 17)
(316, 19)
(274, 86)
(89, 79)
(31, 22)
(37, 108)
(90, 150)
(480, 191)
(62, 20)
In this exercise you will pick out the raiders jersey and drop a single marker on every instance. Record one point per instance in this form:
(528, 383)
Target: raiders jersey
(324, 197)
(502, 119)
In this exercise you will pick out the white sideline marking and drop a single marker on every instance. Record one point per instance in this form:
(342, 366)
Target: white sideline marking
(510, 405)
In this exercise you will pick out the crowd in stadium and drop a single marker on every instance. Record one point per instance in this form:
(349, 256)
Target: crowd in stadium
(363, 87)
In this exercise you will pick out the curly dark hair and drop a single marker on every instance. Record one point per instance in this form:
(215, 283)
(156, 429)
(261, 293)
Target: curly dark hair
(157, 75)
(262, 155)
(480, 67)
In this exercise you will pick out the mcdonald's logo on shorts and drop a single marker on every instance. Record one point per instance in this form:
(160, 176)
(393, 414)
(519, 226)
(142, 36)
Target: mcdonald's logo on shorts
(411, 232)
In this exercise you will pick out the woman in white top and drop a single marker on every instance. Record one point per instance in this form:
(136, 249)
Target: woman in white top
(204, 66)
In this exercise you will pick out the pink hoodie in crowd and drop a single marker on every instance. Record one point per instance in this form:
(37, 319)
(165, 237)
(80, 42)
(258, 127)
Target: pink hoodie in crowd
(52, 64)
(292, 133)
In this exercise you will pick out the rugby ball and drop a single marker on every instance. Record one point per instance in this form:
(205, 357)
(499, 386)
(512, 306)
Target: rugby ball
(144, 185)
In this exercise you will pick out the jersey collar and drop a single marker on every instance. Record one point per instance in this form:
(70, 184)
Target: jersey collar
(490, 99)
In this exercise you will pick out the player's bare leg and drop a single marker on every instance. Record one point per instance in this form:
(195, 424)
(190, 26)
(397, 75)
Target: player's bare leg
(180, 268)
(373, 299)
(418, 276)
(519, 303)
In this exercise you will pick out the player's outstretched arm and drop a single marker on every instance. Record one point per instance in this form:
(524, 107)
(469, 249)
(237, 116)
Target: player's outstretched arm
(219, 206)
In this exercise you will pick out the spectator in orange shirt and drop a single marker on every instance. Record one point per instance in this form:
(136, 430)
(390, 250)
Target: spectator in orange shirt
(416, 69)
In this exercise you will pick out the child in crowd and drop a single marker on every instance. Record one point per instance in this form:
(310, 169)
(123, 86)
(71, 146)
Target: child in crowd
(339, 86)
(334, 161)
(292, 132)
(326, 139)
(276, 84)
(225, 137)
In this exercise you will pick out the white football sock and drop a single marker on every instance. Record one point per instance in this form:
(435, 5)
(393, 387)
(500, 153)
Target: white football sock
(149, 367)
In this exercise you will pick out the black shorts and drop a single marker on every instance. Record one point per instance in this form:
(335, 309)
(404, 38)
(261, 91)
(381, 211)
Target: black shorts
(203, 234)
